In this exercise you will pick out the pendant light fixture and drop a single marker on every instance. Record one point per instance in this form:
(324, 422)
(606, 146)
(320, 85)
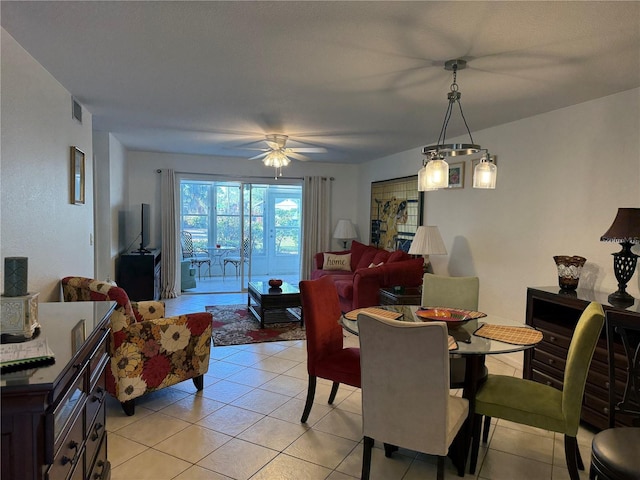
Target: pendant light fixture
(434, 173)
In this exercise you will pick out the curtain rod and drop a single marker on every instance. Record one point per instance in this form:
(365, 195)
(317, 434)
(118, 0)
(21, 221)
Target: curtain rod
(240, 177)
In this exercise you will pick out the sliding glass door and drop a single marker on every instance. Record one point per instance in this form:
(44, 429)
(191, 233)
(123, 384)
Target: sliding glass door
(249, 231)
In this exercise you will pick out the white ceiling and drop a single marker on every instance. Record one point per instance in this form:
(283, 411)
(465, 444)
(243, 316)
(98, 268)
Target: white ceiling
(363, 79)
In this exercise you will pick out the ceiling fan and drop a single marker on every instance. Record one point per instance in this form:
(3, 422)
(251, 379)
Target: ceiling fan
(277, 153)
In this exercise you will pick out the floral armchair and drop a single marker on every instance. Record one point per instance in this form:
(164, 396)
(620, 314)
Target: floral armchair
(148, 352)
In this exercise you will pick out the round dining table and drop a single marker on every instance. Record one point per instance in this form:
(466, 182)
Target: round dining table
(472, 347)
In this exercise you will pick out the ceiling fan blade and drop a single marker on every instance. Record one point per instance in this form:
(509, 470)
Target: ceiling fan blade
(309, 150)
(297, 156)
(272, 145)
(264, 154)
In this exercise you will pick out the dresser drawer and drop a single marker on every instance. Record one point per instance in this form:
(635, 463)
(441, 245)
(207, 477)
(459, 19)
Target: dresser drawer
(94, 437)
(542, 377)
(70, 454)
(100, 469)
(95, 401)
(545, 358)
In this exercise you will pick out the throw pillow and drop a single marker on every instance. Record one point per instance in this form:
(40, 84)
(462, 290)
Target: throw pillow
(357, 250)
(398, 256)
(381, 256)
(337, 262)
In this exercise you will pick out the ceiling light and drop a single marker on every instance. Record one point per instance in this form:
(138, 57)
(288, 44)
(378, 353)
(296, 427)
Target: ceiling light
(434, 173)
(276, 159)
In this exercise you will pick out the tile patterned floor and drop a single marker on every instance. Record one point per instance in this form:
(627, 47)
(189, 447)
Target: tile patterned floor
(245, 424)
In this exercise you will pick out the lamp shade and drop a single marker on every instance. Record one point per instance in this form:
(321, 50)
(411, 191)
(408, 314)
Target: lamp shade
(427, 241)
(625, 227)
(344, 230)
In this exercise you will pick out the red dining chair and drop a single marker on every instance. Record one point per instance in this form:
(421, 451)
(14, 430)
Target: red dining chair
(326, 356)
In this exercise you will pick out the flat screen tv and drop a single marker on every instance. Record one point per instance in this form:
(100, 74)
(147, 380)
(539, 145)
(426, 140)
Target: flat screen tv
(145, 222)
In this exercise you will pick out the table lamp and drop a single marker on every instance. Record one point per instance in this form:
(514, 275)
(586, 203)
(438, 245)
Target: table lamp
(625, 230)
(427, 241)
(344, 231)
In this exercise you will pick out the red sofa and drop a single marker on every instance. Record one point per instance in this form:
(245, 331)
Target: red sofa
(370, 269)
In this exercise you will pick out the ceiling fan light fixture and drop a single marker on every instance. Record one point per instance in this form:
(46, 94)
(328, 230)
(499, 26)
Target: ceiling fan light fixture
(435, 173)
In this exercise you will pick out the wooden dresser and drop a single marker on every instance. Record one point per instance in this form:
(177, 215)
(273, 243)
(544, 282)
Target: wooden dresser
(556, 314)
(53, 418)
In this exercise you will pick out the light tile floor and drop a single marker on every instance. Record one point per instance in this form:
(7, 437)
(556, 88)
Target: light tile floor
(245, 424)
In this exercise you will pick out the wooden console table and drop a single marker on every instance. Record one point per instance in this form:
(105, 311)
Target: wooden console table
(556, 314)
(53, 418)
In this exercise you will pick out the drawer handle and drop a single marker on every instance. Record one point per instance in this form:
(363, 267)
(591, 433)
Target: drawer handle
(606, 410)
(606, 384)
(95, 435)
(552, 338)
(551, 361)
(97, 476)
(74, 446)
(548, 382)
(99, 395)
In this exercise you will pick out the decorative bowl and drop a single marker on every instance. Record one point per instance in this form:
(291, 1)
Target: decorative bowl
(275, 283)
(453, 317)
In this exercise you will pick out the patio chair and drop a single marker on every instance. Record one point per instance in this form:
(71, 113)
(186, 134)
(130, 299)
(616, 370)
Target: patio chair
(198, 257)
(236, 261)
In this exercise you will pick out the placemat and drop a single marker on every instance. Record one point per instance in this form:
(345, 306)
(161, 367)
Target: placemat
(353, 314)
(513, 335)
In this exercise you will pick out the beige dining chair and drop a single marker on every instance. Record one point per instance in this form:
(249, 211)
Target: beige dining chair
(405, 390)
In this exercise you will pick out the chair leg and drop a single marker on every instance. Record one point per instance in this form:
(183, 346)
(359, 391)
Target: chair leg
(485, 429)
(579, 457)
(311, 393)
(389, 449)
(129, 407)
(440, 467)
(366, 458)
(334, 391)
(475, 442)
(571, 454)
(198, 382)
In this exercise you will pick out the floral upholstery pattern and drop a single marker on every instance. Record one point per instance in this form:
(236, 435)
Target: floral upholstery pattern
(148, 352)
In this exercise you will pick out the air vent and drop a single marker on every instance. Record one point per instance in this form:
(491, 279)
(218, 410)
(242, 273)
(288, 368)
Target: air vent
(76, 110)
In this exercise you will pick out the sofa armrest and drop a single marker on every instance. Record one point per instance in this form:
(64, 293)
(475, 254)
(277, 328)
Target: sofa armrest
(368, 281)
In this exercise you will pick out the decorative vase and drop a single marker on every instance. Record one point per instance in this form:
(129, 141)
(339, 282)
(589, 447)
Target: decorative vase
(569, 269)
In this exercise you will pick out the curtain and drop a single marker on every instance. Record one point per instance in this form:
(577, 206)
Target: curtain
(316, 228)
(169, 260)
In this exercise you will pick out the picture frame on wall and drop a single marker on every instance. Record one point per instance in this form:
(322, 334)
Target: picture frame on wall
(397, 209)
(456, 175)
(77, 176)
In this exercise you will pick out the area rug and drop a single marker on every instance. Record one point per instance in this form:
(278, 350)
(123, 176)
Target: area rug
(234, 325)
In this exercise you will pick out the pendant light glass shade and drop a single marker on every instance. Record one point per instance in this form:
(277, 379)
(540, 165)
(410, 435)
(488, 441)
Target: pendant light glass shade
(485, 173)
(437, 172)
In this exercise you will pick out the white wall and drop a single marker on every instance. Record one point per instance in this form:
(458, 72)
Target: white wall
(36, 217)
(561, 178)
(144, 182)
(110, 197)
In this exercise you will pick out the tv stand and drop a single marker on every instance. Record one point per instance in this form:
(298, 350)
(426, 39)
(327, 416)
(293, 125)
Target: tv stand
(139, 274)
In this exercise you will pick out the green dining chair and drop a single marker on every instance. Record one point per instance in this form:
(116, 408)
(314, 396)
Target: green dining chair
(538, 405)
(452, 292)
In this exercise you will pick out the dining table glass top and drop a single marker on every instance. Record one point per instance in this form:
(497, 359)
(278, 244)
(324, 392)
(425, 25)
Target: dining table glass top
(468, 343)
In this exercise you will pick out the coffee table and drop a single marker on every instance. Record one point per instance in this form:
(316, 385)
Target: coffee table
(287, 297)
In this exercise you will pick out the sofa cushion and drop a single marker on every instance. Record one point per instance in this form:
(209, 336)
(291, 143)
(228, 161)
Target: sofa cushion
(398, 256)
(337, 262)
(382, 256)
(367, 258)
(357, 250)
